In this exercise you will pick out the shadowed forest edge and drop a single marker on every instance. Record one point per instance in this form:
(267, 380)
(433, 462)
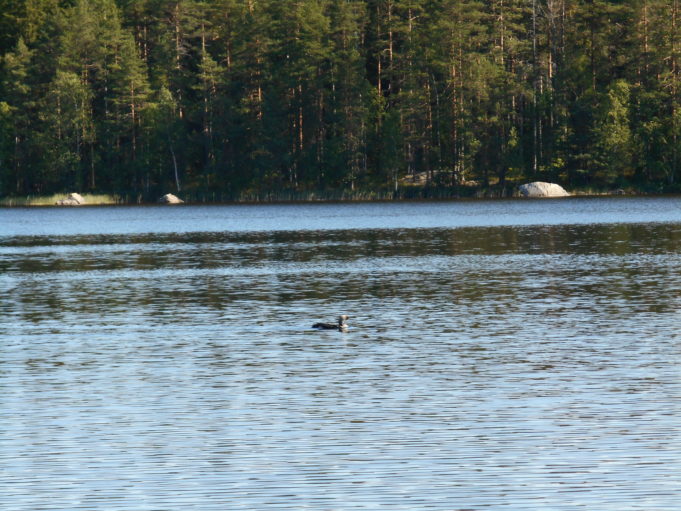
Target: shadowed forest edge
(337, 99)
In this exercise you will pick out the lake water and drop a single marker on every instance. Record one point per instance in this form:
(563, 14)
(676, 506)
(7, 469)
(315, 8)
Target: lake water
(501, 355)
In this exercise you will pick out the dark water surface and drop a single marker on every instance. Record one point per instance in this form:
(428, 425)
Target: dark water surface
(502, 355)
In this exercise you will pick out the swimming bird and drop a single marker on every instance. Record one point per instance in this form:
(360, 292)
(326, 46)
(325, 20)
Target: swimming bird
(341, 326)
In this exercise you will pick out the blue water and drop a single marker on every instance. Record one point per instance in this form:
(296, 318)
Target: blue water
(501, 355)
(340, 216)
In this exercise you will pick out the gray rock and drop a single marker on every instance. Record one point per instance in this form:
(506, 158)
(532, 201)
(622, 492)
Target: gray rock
(169, 198)
(73, 199)
(541, 189)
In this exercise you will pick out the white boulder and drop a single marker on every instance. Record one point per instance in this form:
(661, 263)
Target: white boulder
(169, 198)
(73, 199)
(541, 189)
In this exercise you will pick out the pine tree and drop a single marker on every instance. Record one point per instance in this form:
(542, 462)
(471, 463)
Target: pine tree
(612, 135)
(129, 91)
(461, 80)
(68, 134)
(17, 106)
(349, 93)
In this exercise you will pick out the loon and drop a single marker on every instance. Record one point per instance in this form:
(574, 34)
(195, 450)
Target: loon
(341, 326)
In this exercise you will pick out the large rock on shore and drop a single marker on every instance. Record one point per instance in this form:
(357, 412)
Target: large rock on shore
(73, 199)
(169, 198)
(541, 189)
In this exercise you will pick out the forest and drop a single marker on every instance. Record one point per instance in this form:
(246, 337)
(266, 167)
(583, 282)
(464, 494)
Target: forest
(230, 99)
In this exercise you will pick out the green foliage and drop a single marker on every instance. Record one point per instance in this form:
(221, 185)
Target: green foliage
(66, 129)
(253, 97)
(613, 135)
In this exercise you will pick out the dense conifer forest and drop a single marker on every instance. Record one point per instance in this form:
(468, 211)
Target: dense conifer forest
(225, 99)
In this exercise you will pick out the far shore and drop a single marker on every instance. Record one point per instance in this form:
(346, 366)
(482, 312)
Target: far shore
(410, 194)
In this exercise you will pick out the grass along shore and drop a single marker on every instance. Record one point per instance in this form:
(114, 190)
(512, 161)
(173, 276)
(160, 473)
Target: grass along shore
(51, 200)
(402, 193)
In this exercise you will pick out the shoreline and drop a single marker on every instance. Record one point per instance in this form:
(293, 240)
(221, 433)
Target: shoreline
(408, 193)
(312, 198)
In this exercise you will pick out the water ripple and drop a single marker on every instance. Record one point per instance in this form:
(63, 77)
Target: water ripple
(526, 367)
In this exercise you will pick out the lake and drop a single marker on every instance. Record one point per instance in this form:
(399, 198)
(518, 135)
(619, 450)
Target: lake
(512, 354)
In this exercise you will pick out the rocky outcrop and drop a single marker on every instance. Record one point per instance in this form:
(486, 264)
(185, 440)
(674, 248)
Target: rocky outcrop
(169, 198)
(540, 189)
(73, 199)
